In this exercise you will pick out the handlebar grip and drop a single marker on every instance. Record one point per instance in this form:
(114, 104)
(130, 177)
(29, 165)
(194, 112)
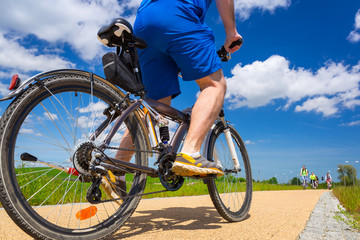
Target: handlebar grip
(236, 43)
(224, 55)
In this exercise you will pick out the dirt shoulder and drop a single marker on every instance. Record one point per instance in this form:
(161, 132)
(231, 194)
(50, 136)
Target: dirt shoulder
(273, 215)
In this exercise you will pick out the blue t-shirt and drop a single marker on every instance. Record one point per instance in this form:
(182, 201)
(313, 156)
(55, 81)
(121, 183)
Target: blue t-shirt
(202, 4)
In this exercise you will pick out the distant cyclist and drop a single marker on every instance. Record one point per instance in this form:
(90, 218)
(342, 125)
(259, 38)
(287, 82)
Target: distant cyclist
(304, 174)
(328, 180)
(317, 181)
(313, 180)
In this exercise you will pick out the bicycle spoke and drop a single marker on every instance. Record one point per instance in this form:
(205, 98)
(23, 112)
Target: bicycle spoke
(73, 202)
(43, 187)
(35, 179)
(52, 119)
(64, 125)
(65, 109)
(53, 137)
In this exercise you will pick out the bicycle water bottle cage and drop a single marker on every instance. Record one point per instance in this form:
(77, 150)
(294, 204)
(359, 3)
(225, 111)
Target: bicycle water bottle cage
(118, 34)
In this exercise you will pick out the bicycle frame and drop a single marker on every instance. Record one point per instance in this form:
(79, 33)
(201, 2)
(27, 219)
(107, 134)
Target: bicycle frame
(150, 108)
(160, 112)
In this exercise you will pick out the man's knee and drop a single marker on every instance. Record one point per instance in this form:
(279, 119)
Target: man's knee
(215, 79)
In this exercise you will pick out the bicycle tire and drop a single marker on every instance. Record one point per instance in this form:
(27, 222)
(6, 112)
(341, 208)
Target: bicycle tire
(225, 191)
(15, 127)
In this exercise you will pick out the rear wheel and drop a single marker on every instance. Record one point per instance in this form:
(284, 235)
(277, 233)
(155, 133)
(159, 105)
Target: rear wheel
(49, 122)
(231, 193)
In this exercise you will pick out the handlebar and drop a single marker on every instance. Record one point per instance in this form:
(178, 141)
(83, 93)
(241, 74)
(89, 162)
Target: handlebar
(224, 55)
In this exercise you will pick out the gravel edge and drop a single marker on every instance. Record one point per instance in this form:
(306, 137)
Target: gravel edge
(322, 225)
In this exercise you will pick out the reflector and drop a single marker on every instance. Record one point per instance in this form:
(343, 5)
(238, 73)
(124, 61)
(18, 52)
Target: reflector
(86, 213)
(72, 171)
(15, 82)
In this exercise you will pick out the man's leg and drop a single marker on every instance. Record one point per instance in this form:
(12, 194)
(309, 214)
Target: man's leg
(206, 109)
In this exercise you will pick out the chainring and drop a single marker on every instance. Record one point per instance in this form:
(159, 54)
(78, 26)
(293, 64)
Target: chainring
(168, 179)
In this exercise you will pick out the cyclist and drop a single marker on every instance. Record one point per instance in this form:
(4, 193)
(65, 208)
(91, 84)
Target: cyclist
(178, 38)
(304, 174)
(328, 180)
(313, 180)
(317, 181)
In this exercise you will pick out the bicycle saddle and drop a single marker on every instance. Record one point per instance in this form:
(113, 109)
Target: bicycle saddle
(118, 33)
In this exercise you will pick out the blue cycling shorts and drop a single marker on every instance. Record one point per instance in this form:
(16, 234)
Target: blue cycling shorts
(178, 39)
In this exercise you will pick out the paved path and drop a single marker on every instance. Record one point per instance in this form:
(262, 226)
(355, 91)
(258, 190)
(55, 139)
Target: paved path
(275, 215)
(322, 224)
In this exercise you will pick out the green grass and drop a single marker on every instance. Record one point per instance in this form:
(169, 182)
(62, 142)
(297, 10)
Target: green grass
(349, 198)
(191, 187)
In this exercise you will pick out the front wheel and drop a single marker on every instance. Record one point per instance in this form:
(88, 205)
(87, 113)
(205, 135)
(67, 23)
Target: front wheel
(231, 193)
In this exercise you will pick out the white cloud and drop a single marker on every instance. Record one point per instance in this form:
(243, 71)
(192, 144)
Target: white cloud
(29, 131)
(260, 83)
(75, 22)
(249, 142)
(50, 116)
(354, 123)
(86, 122)
(26, 131)
(324, 105)
(354, 35)
(244, 7)
(15, 56)
(94, 107)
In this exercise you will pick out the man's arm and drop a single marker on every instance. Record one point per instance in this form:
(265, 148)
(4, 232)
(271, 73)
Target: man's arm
(227, 14)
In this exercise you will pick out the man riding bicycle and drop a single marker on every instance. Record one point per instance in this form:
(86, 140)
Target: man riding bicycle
(313, 180)
(328, 180)
(178, 38)
(304, 174)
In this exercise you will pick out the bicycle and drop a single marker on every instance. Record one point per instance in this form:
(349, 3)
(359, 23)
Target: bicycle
(313, 184)
(59, 139)
(328, 184)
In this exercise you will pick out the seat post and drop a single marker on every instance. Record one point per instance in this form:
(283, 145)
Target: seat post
(136, 64)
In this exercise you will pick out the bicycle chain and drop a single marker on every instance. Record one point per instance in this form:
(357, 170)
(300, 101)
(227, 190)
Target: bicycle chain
(131, 150)
(132, 196)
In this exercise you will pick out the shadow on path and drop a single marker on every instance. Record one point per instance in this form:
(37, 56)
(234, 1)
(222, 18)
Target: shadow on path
(175, 218)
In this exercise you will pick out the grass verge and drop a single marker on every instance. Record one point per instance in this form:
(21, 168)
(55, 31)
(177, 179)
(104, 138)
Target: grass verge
(349, 198)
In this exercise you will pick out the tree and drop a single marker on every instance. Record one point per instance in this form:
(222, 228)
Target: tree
(347, 174)
(295, 181)
(273, 180)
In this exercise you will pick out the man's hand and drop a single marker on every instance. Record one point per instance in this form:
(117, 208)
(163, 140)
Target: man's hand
(229, 41)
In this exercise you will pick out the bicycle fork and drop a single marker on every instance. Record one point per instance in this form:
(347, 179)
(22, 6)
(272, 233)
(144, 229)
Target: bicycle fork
(230, 143)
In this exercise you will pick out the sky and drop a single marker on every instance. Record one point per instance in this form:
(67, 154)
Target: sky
(293, 87)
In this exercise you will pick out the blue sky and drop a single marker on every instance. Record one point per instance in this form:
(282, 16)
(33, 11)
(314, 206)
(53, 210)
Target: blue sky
(293, 88)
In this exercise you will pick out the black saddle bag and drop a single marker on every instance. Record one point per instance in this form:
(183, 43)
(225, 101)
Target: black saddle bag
(119, 71)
